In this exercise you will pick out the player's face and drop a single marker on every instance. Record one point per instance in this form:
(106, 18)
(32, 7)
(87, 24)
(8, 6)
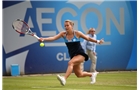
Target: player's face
(68, 27)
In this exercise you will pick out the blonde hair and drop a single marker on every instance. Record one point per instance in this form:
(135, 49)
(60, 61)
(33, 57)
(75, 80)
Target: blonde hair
(88, 32)
(71, 23)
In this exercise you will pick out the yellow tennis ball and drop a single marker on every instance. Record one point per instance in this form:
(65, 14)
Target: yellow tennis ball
(41, 44)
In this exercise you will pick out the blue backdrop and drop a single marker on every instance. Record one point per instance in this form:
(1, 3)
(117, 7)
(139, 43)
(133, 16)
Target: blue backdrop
(115, 21)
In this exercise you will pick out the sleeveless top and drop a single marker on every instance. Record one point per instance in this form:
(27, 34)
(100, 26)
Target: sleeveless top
(74, 47)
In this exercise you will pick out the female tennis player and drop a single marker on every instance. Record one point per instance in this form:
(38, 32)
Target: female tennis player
(76, 52)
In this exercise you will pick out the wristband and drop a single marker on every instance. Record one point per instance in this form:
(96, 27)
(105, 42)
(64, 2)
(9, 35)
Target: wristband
(98, 41)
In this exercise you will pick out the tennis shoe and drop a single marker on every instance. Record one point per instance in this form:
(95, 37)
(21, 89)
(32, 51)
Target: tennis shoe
(97, 72)
(93, 78)
(61, 79)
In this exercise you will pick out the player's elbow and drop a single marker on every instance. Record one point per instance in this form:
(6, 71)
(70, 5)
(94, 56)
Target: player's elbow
(88, 38)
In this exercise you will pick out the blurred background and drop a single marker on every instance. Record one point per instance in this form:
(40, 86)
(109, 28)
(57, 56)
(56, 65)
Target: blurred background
(115, 21)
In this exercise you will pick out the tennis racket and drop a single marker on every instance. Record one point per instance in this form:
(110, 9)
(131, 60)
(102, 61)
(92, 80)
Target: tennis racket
(22, 27)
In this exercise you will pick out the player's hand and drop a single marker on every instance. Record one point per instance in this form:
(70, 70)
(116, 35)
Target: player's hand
(101, 41)
(41, 40)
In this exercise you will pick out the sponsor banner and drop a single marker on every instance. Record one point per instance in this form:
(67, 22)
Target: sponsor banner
(115, 21)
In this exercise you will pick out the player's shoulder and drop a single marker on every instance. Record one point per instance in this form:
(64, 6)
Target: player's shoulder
(77, 31)
(63, 32)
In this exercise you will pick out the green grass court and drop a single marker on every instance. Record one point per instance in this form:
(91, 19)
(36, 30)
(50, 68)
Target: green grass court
(126, 80)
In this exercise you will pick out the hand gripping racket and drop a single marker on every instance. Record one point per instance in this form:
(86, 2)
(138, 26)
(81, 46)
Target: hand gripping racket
(22, 27)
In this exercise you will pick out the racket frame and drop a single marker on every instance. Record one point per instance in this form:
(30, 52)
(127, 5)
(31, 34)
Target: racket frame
(29, 32)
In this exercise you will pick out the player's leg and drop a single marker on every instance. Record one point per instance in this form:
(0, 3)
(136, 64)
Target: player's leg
(77, 67)
(74, 61)
(79, 73)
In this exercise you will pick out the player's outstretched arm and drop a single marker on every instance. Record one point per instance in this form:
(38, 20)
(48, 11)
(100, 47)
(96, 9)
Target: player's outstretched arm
(80, 34)
(59, 35)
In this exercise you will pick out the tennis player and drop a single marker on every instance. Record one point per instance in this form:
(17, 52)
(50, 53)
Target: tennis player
(75, 50)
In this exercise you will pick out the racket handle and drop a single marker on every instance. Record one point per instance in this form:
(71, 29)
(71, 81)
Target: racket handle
(36, 36)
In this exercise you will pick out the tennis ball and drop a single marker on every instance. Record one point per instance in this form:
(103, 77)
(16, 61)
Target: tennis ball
(41, 44)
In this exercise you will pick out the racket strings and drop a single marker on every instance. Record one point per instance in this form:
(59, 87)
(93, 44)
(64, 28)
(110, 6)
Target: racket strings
(21, 27)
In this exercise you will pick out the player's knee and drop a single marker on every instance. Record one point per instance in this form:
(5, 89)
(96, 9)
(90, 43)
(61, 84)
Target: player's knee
(70, 63)
(79, 75)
